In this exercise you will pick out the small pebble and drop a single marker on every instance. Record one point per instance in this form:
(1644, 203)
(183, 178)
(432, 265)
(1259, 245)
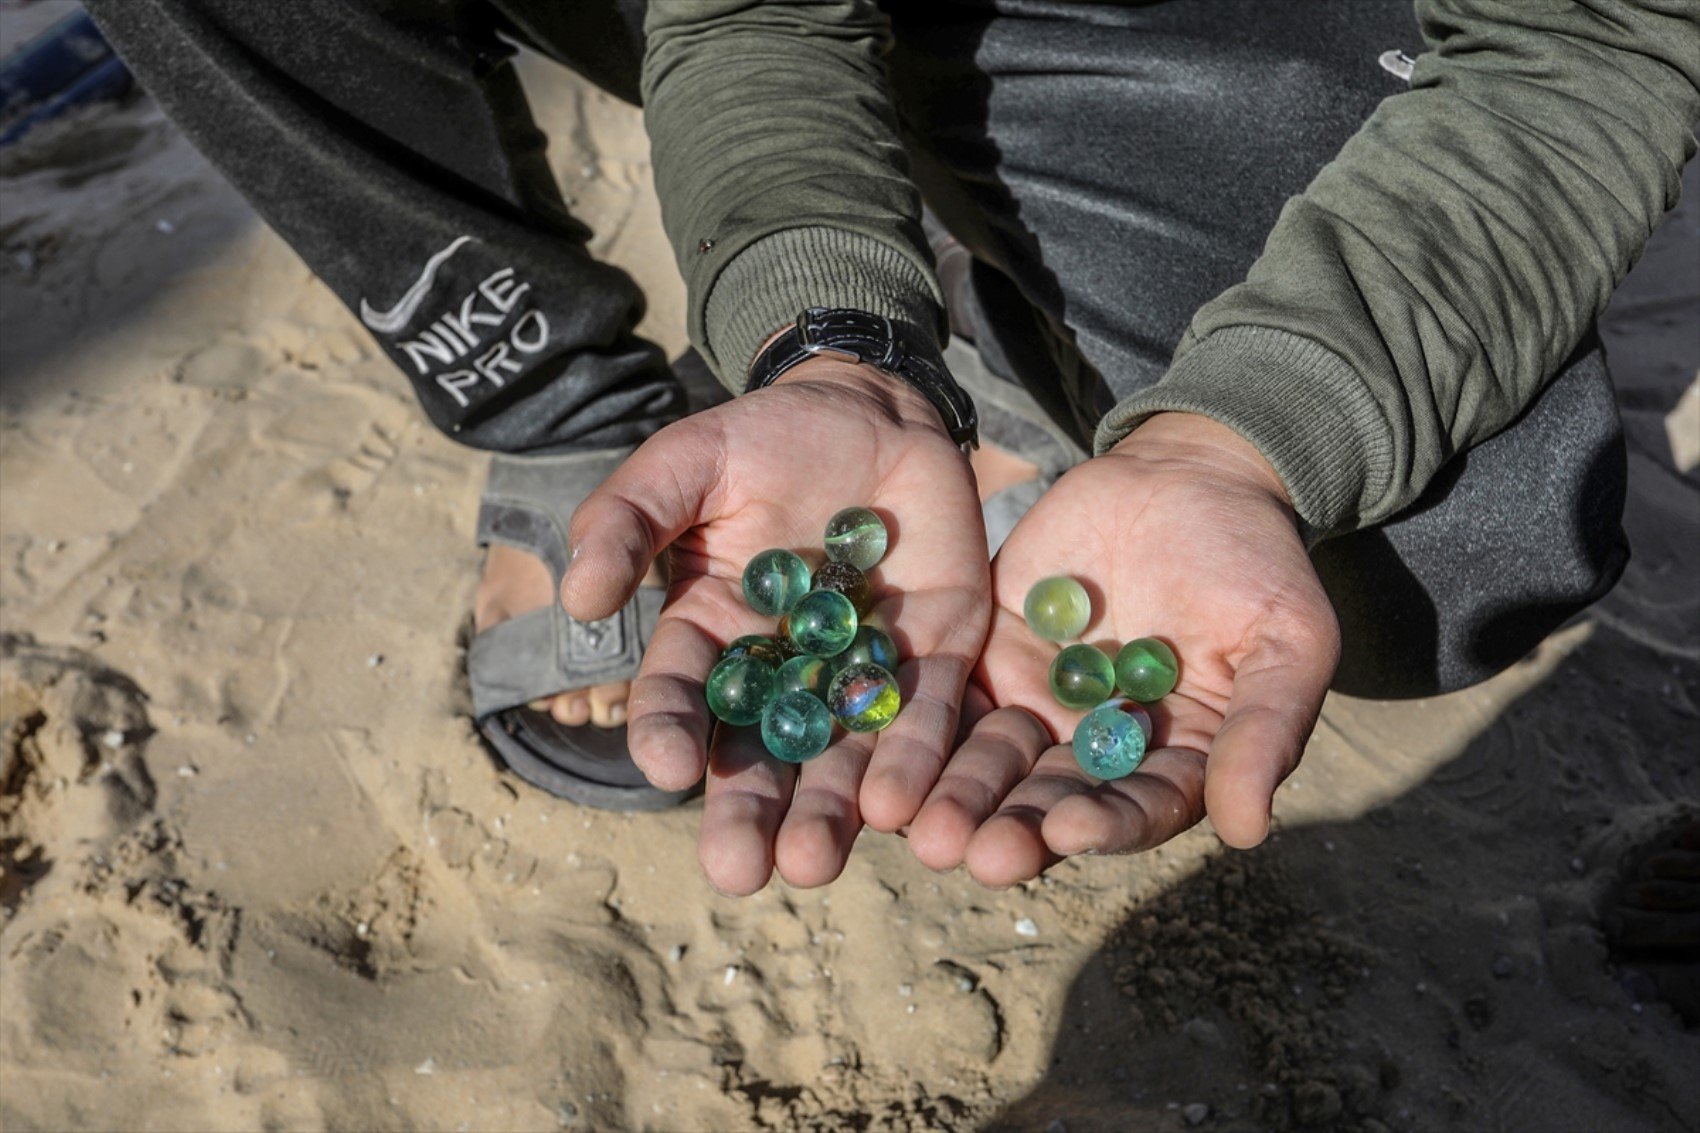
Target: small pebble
(1196, 1113)
(1026, 927)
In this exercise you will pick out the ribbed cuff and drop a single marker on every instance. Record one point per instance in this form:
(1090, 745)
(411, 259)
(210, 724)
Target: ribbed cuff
(1303, 407)
(762, 290)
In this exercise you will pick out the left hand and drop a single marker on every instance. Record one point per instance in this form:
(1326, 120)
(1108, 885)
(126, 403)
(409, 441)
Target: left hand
(1181, 532)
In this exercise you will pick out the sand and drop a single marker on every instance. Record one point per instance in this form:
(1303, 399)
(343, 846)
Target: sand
(260, 874)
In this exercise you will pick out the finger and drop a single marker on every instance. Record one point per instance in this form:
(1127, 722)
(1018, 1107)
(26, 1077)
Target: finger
(1278, 691)
(657, 494)
(1159, 801)
(669, 722)
(744, 801)
(996, 756)
(913, 749)
(820, 828)
(1010, 847)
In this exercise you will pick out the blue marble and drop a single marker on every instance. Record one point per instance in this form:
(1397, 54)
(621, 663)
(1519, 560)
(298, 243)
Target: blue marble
(1109, 742)
(795, 727)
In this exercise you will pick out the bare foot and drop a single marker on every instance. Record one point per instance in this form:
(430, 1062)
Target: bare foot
(515, 582)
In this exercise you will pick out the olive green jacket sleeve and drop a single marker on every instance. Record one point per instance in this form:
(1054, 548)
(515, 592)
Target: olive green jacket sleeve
(781, 179)
(1408, 305)
(1433, 277)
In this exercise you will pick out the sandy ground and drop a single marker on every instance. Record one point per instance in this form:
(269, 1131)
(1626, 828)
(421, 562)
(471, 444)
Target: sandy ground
(258, 872)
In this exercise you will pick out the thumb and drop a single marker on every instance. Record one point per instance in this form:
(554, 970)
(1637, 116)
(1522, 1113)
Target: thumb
(1277, 695)
(657, 494)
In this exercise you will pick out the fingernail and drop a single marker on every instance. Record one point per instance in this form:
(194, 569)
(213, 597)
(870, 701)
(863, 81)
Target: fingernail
(617, 714)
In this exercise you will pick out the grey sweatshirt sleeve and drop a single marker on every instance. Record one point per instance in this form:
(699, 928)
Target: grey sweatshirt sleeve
(1434, 277)
(781, 178)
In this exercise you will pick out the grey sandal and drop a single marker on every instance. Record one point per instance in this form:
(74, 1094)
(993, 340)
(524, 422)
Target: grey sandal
(527, 504)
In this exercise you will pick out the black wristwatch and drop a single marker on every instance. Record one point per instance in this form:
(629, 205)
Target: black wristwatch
(862, 337)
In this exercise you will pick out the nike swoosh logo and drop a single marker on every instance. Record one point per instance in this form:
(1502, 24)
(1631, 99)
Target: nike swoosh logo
(392, 320)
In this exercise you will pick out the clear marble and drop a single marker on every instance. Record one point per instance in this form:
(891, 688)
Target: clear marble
(870, 646)
(739, 688)
(1057, 608)
(1081, 676)
(856, 536)
(1109, 742)
(762, 648)
(822, 623)
(795, 727)
(848, 581)
(774, 580)
(1146, 669)
(803, 673)
(864, 698)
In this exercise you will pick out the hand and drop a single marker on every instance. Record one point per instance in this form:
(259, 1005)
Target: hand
(1181, 532)
(768, 470)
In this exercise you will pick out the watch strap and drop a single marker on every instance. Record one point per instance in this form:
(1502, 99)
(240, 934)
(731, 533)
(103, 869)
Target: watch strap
(860, 336)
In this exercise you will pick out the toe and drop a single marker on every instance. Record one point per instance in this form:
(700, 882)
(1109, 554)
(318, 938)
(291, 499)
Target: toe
(608, 704)
(571, 709)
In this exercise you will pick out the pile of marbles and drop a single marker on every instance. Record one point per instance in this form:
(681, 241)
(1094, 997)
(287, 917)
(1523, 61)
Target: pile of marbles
(1110, 741)
(824, 664)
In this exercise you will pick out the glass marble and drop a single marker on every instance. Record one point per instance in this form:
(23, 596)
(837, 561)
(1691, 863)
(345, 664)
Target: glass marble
(1109, 742)
(763, 649)
(870, 646)
(848, 581)
(864, 698)
(739, 688)
(1146, 669)
(803, 673)
(855, 536)
(774, 580)
(1081, 676)
(822, 623)
(1057, 608)
(795, 727)
(787, 648)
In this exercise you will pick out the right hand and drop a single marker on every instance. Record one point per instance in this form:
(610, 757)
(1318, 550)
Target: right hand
(768, 470)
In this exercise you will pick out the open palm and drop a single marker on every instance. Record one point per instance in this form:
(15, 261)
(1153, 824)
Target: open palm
(768, 470)
(1180, 533)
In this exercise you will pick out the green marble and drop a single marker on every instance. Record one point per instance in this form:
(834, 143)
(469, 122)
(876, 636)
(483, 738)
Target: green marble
(864, 698)
(1082, 676)
(1146, 669)
(1057, 608)
(774, 580)
(870, 646)
(795, 727)
(848, 581)
(803, 673)
(855, 536)
(764, 649)
(739, 688)
(1110, 741)
(822, 623)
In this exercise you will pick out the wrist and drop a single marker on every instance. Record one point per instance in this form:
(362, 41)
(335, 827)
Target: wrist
(1194, 437)
(886, 397)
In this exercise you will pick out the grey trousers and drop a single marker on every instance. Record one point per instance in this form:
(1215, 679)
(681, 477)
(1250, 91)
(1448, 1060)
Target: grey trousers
(1108, 167)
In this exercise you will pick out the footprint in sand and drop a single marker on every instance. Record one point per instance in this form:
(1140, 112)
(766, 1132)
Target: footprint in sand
(68, 723)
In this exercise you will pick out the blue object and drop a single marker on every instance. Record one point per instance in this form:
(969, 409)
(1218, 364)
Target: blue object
(68, 65)
(1109, 743)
